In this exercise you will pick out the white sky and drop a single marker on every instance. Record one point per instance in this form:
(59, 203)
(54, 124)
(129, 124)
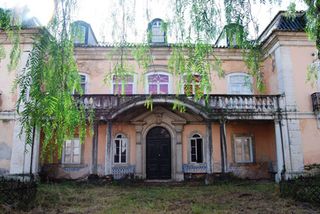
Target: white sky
(98, 13)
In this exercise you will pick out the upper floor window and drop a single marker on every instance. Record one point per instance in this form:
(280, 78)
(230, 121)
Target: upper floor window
(72, 152)
(157, 31)
(191, 84)
(123, 85)
(243, 151)
(120, 149)
(83, 83)
(196, 152)
(239, 83)
(158, 83)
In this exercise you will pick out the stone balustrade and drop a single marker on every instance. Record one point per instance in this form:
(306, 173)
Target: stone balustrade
(214, 104)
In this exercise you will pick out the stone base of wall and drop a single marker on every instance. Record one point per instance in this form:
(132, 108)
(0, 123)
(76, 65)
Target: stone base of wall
(261, 170)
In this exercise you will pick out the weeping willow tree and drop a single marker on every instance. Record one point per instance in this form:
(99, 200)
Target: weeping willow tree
(10, 24)
(47, 83)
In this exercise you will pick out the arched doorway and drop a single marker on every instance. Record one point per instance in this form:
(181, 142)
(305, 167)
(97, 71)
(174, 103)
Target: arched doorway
(158, 153)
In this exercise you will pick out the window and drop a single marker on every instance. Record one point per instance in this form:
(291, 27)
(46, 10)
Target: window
(158, 83)
(196, 144)
(243, 149)
(72, 152)
(158, 35)
(83, 84)
(191, 84)
(239, 83)
(120, 149)
(123, 85)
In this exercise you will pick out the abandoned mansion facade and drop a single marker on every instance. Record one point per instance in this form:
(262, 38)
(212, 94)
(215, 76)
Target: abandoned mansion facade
(239, 130)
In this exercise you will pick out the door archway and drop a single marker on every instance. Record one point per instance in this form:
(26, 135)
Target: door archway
(158, 153)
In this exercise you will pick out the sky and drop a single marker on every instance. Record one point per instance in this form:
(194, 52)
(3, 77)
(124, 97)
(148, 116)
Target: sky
(99, 14)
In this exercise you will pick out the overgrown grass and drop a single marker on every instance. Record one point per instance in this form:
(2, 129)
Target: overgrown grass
(240, 197)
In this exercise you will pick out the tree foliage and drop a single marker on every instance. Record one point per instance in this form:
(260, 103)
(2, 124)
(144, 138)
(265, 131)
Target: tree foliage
(47, 83)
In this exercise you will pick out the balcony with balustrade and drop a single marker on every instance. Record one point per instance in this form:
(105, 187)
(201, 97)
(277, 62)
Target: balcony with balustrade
(214, 106)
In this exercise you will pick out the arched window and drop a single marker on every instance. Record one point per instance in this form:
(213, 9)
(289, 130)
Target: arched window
(120, 149)
(158, 83)
(196, 149)
(157, 31)
(240, 83)
(123, 85)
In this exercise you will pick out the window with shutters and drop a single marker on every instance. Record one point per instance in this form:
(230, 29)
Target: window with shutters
(196, 149)
(120, 149)
(72, 152)
(243, 150)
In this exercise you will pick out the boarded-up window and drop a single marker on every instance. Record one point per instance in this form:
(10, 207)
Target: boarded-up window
(243, 149)
(72, 152)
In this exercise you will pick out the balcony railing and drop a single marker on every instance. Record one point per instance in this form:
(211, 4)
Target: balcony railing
(316, 101)
(214, 104)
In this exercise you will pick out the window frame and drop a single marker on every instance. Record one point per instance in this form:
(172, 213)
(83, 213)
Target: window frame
(193, 85)
(251, 149)
(245, 75)
(202, 148)
(124, 137)
(162, 35)
(158, 86)
(133, 85)
(85, 83)
(64, 153)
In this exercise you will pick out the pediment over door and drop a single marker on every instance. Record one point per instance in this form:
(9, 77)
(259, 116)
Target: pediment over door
(157, 116)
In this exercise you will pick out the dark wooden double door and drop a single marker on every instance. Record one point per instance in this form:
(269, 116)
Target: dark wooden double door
(158, 154)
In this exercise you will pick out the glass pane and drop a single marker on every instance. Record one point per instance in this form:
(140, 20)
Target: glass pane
(123, 158)
(163, 78)
(116, 158)
(76, 151)
(82, 78)
(76, 158)
(164, 89)
(199, 150)
(238, 150)
(152, 89)
(246, 145)
(193, 158)
(67, 158)
(129, 89)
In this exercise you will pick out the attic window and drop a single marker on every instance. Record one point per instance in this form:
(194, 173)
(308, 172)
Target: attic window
(157, 32)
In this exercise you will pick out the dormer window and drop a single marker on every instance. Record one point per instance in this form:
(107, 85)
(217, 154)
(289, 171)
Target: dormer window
(157, 31)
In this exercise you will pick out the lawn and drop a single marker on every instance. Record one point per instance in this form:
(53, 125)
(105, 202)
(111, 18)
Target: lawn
(240, 197)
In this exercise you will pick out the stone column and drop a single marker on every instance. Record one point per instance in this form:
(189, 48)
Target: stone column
(94, 169)
(223, 145)
(281, 167)
(179, 172)
(209, 148)
(139, 166)
(108, 162)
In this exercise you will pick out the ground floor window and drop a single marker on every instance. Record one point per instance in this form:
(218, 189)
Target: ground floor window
(72, 152)
(243, 151)
(120, 149)
(196, 151)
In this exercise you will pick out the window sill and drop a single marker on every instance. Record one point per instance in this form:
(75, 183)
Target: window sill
(73, 165)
